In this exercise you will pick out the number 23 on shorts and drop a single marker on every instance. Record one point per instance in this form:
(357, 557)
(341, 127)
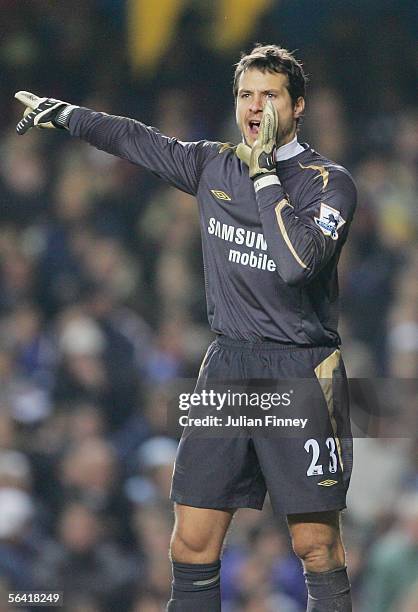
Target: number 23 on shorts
(312, 447)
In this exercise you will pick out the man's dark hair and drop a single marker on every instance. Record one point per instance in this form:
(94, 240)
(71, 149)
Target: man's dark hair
(272, 58)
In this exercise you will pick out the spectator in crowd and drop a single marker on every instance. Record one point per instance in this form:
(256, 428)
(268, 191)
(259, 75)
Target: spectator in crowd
(392, 569)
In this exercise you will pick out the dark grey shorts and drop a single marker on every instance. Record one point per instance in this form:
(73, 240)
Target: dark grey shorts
(304, 468)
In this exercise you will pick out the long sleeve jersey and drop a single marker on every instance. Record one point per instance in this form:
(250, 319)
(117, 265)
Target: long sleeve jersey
(270, 260)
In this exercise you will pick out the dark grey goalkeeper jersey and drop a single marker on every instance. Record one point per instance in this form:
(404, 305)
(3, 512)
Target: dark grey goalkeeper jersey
(270, 259)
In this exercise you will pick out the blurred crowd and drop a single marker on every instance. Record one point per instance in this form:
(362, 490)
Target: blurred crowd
(102, 305)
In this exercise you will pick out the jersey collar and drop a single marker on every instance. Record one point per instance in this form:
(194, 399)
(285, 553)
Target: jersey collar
(289, 150)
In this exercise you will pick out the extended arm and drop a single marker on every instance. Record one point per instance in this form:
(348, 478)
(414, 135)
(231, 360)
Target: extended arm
(178, 163)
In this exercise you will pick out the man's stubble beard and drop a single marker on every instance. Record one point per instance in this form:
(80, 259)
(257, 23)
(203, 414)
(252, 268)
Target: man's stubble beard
(285, 134)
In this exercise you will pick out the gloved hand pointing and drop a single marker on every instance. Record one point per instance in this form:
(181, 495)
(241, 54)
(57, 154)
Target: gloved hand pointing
(42, 112)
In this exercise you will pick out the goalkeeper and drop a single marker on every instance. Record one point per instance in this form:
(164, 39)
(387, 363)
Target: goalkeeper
(274, 217)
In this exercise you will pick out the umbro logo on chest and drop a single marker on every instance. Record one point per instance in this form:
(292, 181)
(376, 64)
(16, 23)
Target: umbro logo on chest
(221, 195)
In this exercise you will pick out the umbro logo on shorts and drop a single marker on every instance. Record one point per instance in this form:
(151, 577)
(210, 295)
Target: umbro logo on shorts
(327, 483)
(221, 195)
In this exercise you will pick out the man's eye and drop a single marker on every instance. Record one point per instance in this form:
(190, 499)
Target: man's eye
(245, 95)
(271, 95)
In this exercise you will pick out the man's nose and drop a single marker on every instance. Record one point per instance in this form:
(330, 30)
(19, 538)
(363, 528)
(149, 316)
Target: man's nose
(256, 103)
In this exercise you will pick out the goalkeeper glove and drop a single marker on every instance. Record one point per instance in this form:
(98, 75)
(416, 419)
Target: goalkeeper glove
(261, 158)
(42, 112)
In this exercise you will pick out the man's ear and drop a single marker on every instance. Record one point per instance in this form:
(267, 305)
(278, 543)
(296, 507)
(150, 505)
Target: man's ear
(299, 107)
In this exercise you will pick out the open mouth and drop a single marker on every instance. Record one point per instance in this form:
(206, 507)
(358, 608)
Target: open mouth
(254, 127)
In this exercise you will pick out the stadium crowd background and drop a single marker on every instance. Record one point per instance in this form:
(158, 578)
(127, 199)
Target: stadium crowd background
(102, 297)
